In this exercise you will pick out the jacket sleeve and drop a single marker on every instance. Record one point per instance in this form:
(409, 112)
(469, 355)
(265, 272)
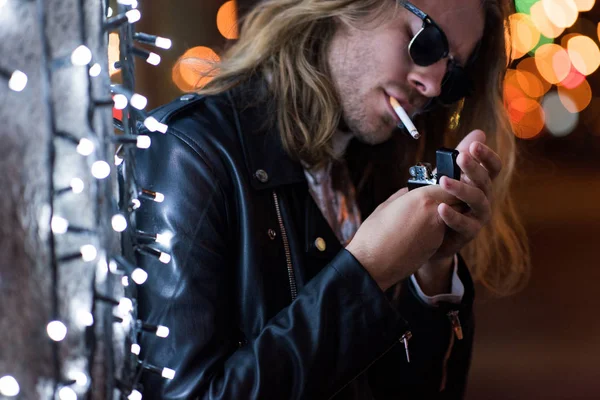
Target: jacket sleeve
(439, 360)
(339, 323)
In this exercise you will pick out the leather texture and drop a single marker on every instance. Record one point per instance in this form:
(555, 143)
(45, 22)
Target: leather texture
(226, 295)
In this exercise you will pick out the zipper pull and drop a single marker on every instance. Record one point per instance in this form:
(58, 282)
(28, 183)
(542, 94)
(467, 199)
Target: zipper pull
(456, 326)
(404, 339)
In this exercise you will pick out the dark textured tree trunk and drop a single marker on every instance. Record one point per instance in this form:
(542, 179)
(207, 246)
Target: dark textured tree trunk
(58, 98)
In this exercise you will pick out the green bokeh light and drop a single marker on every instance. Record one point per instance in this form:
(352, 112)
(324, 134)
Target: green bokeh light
(523, 6)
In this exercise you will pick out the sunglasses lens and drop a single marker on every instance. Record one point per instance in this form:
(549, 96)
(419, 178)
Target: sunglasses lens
(456, 85)
(429, 46)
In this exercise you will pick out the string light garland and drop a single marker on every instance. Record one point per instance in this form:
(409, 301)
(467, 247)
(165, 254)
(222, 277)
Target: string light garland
(100, 243)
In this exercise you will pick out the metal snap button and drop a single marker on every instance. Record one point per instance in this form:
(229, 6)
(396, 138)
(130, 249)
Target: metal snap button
(320, 244)
(262, 175)
(272, 234)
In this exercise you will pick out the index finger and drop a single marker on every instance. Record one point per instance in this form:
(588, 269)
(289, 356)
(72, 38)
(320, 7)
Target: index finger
(486, 157)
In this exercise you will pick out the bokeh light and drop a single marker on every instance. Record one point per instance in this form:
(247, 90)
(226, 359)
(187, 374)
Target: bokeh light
(575, 99)
(524, 6)
(524, 35)
(584, 54)
(227, 20)
(195, 68)
(526, 114)
(526, 117)
(559, 121)
(528, 84)
(584, 5)
(574, 78)
(562, 13)
(114, 53)
(552, 62)
(540, 19)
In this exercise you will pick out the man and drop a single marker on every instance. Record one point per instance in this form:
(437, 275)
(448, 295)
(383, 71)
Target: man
(300, 268)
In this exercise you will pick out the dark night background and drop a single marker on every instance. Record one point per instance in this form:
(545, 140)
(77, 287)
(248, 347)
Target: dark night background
(543, 342)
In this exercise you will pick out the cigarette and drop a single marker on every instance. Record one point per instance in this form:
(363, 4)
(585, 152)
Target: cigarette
(408, 124)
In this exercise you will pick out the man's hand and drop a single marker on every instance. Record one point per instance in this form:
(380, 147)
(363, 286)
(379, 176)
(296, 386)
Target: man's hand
(480, 166)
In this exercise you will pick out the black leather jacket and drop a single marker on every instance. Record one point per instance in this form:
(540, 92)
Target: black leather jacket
(255, 309)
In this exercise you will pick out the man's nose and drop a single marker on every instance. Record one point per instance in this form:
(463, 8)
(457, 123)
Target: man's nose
(428, 80)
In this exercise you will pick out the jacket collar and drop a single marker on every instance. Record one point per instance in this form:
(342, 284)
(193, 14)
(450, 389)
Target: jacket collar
(267, 162)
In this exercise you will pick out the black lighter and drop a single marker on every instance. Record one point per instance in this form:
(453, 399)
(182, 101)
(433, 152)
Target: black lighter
(422, 174)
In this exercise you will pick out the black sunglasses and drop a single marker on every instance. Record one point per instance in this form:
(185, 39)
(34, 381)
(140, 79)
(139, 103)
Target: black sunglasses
(429, 46)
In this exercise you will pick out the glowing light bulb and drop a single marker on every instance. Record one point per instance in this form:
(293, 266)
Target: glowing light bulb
(135, 204)
(126, 321)
(133, 16)
(153, 59)
(164, 238)
(9, 386)
(88, 252)
(134, 395)
(100, 169)
(85, 318)
(139, 276)
(66, 393)
(138, 101)
(159, 197)
(77, 185)
(162, 331)
(164, 258)
(85, 147)
(168, 373)
(120, 101)
(17, 81)
(113, 267)
(56, 330)
(125, 305)
(109, 12)
(81, 56)
(154, 125)
(135, 349)
(125, 281)
(59, 225)
(143, 141)
(119, 223)
(163, 43)
(151, 123)
(80, 378)
(95, 70)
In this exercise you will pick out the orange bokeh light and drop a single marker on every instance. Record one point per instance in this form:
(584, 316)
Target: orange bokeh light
(576, 99)
(562, 13)
(114, 53)
(526, 114)
(526, 117)
(584, 54)
(552, 62)
(195, 68)
(524, 35)
(528, 68)
(584, 5)
(227, 20)
(543, 23)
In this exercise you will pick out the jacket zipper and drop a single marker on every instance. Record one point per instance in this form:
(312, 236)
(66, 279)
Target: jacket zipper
(455, 333)
(286, 246)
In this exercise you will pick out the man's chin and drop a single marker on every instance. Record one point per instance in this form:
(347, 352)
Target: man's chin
(375, 138)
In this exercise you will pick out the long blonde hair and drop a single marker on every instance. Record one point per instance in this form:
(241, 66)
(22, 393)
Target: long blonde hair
(286, 42)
